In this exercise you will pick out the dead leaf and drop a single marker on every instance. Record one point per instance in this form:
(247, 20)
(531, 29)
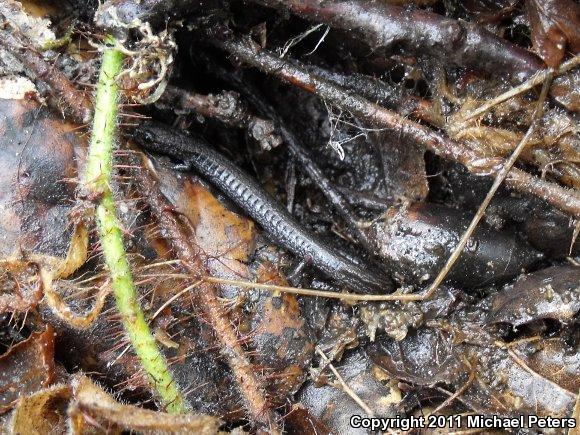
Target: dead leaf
(551, 293)
(555, 28)
(26, 368)
(553, 359)
(91, 400)
(42, 412)
(37, 191)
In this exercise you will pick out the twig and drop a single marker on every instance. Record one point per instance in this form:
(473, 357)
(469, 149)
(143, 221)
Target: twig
(77, 105)
(226, 107)
(249, 384)
(457, 393)
(96, 185)
(500, 177)
(174, 297)
(535, 80)
(294, 73)
(344, 385)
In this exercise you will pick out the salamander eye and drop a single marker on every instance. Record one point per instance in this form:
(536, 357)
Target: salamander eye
(143, 135)
(149, 136)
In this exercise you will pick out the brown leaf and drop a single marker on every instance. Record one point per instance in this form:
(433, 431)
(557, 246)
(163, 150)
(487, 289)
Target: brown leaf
(26, 368)
(555, 28)
(41, 412)
(91, 400)
(554, 360)
(37, 166)
(551, 293)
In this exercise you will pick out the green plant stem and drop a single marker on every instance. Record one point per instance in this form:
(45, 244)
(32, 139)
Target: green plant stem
(97, 180)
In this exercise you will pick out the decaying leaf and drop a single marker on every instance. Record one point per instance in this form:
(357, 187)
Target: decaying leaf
(91, 400)
(37, 172)
(504, 380)
(26, 368)
(334, 407)
(552, 359)
(551, 293)
(41, 412)
(555, 28)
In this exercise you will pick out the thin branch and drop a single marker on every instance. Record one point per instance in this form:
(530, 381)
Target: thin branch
(294, 73)
(315, 293)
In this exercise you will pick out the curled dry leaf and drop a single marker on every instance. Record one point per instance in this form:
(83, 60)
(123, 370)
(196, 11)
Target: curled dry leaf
(41, 412)
(88, 399)
(80, 407)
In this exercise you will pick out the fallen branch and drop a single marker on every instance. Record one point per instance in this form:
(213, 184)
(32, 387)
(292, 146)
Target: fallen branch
(380, 24)
(564, 199)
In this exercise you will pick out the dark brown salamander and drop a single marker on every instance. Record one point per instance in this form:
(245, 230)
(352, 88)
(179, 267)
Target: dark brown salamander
(196, 154)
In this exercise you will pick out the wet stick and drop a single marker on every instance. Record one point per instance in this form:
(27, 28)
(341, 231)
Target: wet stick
(96, 184)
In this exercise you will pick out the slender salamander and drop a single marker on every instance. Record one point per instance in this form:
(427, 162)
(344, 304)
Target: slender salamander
(243, 190)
